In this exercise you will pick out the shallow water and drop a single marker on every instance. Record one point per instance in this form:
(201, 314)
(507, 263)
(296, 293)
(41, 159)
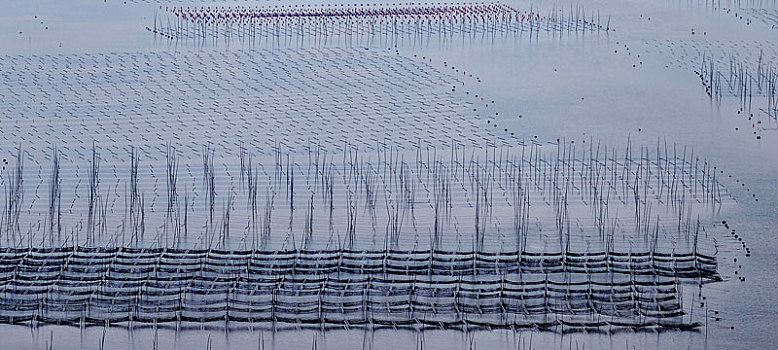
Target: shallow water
(572, 88)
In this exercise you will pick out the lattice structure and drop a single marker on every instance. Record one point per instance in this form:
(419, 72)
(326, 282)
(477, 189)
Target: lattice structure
(365, 24)
(265, 98)
(353, 288)
(342, 188)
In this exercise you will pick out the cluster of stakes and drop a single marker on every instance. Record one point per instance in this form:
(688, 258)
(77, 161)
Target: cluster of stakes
(451, 237)
(730, 70)
(740, 79)
(361, 25)
(322, 96)
(386, 224)
(737, 5)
